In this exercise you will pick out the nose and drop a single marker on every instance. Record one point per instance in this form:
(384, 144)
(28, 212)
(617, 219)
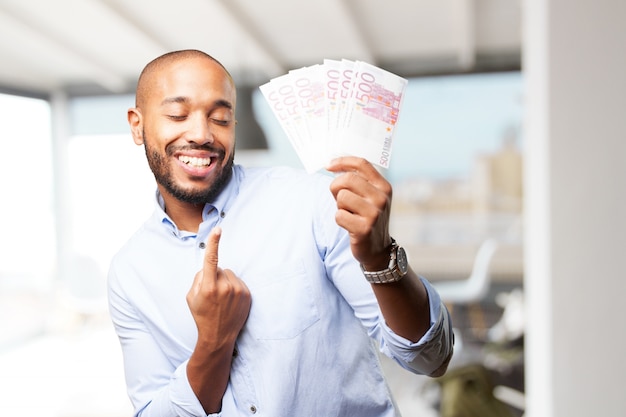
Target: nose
(199, 130)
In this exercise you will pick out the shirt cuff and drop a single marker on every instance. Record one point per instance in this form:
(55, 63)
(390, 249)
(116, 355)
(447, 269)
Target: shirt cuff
(433, 349)
(182, 396)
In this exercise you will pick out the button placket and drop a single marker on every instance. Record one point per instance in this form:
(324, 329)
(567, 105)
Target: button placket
(242, 383)
(210, 219)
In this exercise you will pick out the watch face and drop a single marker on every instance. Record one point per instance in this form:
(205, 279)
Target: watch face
(402, 262)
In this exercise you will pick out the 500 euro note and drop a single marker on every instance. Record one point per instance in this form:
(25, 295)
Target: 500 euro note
(308, 83)
(371, 113)
(280, 95)
(297, 101)
(337, 108)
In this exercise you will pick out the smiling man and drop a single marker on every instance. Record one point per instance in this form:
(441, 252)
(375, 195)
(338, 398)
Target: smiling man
(259, 291)
(190, 145)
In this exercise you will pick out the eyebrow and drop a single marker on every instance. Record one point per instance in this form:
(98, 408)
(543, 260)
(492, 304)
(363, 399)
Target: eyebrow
(181, 99)
(170, 100)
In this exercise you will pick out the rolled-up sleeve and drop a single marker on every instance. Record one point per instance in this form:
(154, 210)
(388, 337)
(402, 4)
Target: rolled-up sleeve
(433, 350)
(430, 354)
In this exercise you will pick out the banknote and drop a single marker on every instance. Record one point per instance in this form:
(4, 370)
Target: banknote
(332, 78)
(371, 113)
(339, 107)
(280, 95)
(308, 84)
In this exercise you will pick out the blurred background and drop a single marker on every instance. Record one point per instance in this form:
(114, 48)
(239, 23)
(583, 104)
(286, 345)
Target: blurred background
(490, 160)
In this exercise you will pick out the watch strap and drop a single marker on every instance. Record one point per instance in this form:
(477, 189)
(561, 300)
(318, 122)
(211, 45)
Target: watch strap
(390, 274)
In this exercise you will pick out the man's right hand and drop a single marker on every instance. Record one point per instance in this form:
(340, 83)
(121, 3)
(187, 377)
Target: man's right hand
(218, 300)
(220, 304)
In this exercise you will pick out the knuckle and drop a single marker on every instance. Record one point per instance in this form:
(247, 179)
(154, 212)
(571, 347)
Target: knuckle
(340, 217)
(381, 201)
(387, 189)
(341, 195)
(364, 226)
(211, 258)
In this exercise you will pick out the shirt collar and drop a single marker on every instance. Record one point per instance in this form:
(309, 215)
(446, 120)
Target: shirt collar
(221, 204)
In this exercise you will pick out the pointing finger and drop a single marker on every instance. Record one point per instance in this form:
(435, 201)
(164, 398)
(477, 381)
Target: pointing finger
(210, 267)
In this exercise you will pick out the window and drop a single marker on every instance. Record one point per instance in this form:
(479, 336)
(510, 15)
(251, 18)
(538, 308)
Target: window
(27, 241)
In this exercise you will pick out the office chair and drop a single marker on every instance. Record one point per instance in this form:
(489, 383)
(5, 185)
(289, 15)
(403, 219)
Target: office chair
(476, 286)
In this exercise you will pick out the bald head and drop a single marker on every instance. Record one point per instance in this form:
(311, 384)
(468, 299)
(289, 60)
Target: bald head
(146, 83)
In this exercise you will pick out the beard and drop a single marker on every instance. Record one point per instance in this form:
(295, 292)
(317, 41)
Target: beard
(163, 174)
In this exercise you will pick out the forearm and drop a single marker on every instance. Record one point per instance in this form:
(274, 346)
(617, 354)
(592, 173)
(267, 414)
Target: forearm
(208, 371)
(405, 306)
(432, 353)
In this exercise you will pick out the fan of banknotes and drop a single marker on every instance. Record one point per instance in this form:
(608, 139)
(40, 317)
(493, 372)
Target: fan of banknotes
(340, 107)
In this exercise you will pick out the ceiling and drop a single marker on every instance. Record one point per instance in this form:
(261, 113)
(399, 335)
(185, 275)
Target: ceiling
(84, 47)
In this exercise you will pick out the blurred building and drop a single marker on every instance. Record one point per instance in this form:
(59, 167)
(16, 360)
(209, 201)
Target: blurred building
(442, 222)
(497, 178)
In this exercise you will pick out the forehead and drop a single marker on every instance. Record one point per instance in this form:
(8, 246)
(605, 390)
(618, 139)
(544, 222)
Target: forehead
(193, 78)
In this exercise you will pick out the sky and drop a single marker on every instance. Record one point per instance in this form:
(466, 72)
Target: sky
(445, 121)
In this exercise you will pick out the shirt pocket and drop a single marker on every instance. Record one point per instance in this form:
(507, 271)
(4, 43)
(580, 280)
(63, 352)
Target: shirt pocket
(283, 304)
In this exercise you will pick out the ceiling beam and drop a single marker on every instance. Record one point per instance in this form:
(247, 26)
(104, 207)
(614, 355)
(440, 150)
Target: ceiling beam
(24, 93)
(352, 12)
(98, 71)
(160, 41)
(248, 26)
(467, 38)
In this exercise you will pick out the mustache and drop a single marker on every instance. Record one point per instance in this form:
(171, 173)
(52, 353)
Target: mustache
(171, 150)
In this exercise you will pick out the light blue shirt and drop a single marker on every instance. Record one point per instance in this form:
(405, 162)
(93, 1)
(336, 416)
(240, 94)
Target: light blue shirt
(308, 347)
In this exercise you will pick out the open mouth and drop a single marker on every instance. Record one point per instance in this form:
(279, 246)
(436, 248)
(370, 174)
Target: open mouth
(195, 162)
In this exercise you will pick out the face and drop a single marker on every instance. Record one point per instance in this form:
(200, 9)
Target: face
(187, 126)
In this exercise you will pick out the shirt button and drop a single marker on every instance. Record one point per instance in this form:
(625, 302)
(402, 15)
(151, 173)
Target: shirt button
(201, 245)
(253, 409)
(222, 214)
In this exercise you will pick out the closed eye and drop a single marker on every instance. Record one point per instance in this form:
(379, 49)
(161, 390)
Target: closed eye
(221, 122)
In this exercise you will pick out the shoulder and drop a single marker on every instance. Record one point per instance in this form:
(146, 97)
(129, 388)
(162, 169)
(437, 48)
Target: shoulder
(283, 176)
(138, 241)
(286, 188)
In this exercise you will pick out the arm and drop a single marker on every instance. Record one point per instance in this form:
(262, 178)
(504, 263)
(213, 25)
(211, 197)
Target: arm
(155, 385)
(162, 382)
(363, 208)
(220, 303)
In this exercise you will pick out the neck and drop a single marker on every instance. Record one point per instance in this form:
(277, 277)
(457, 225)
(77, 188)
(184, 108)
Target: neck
(186, 216)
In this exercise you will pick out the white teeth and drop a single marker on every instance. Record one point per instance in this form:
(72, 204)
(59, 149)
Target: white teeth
(197, 162)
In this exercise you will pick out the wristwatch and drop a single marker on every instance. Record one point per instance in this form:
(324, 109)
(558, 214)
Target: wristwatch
(398, 267)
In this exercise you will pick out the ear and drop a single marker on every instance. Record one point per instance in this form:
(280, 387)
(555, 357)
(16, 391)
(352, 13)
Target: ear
(135, 121)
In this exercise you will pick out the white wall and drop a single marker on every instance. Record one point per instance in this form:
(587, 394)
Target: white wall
(575, 72)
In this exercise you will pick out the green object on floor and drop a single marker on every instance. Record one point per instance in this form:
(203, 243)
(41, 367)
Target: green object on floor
(468, 392)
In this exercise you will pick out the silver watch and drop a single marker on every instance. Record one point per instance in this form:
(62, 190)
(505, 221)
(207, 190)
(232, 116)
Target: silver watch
(397, 269)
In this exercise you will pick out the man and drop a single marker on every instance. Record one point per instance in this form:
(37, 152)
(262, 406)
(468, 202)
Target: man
(246, 293)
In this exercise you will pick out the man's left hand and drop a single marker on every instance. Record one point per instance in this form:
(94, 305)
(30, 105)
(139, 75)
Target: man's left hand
(363, 198)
